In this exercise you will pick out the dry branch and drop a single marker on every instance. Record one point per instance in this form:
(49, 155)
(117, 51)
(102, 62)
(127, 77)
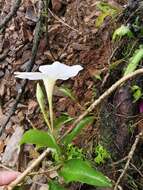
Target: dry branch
(26, 172)
(63, 22)
(28, 69)
(130, 156)
(11, 14)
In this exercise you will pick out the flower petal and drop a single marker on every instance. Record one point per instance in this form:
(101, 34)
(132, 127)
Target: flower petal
(30, 75)
(60, 71)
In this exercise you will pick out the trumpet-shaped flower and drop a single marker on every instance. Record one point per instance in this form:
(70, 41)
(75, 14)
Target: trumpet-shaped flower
(49, 74)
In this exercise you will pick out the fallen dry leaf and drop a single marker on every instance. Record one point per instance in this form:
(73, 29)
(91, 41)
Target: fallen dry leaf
(32, 106)
(11, 153)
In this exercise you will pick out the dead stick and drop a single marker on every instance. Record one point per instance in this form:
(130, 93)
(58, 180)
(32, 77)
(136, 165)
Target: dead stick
(29, 169)
(135, 168)
(62, 21)
(130, 156)
(102, 97)
(11, 14)
(30, 65)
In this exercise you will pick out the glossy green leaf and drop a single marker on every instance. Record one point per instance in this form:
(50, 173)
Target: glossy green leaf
(55, 186)
(86, 121)
(62, 120)
(134, 61)
(40, 139)
(41, 101)
(122, 31)
(81, 171)
(67, 92)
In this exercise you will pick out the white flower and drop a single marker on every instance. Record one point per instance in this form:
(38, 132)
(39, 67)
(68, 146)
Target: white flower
(54, 72)
(49, 74)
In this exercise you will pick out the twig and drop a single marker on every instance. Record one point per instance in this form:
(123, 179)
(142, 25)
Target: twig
(140, 173)
(11, 14)
(130, 155)
(6, 168)
(46, 171)
(26, 172)
(120, 188)
(61, 21)
(28, 69)
(120, 161)
(102, 97)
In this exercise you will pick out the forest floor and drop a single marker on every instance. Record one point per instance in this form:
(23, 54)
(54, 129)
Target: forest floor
(74, 32)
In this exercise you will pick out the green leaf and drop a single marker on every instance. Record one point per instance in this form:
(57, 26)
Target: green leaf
(39, 138)
(98, 76)
(67, 92)
(73, 152)
(106, 10)
(106, 7)
(100, 19)
(81, 171)
(101, 154)
(122, 31)
(55, 186)
(134, 61)
(86, 121)
(41, 100)
(137, 95)
(137, 92)
(63, 119)
(135, 87)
